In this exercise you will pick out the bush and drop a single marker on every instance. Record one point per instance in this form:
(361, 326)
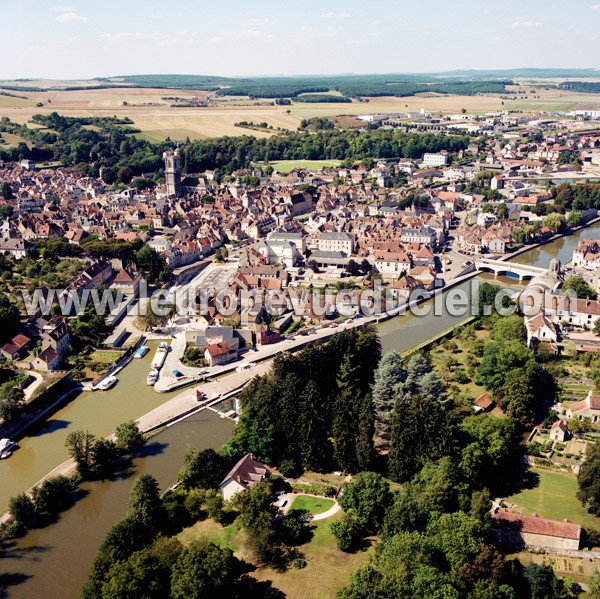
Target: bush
(299, 563)
(290, 468)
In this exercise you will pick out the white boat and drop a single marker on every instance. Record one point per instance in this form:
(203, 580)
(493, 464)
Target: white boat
(141, 351)
(160, 356)
(152, 377)
(107, 383)
(6, 448)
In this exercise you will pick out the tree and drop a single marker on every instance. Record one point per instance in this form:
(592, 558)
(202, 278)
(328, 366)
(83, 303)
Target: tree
(574, 219)
(204, 469)
(104, 454)
(509, 328)
(502, 211)
(346, 532)
(588, 480)
(581, 287)
(11, 401)
(144, 502)
(366, 498)
(124, 175)
(543, 584)
(555, 222)
(50, 495)
(421, 431)
(139, 576)
(221, 254)
(21, 509)
(202, 570)
(6, 211)
(80, 446)
(7, 194)
(128, 437)
(390, 374)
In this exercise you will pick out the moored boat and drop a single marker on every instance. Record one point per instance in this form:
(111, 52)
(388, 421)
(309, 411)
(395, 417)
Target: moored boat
(152, 377)
(7, 446)
(107, 383)
(160, 356)
(141, 351)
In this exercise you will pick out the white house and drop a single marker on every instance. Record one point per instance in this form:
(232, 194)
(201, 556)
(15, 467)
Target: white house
(245, 475)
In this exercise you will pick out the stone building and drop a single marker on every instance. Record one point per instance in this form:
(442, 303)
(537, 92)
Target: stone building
(173, 174)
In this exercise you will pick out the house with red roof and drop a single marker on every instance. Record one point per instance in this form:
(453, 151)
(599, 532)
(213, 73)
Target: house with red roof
(586, 408)
(521, 531)
(245, 475)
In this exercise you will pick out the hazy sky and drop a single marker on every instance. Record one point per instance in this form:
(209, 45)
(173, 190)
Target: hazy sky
(265, 37)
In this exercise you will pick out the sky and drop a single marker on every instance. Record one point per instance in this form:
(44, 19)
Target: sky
(101, 38)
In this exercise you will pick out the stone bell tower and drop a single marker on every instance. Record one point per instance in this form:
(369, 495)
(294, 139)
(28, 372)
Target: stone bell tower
(173, 174)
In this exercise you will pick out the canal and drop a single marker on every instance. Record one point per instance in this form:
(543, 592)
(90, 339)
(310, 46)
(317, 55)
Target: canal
(55, 560)
(100, 412)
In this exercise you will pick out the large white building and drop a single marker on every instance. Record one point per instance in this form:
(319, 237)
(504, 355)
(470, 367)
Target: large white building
(336, 242)
(434, 159)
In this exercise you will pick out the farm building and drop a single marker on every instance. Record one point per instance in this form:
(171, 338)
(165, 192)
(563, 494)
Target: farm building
(520, 531)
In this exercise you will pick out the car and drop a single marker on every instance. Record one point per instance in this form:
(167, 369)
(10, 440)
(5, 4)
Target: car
(284, 503)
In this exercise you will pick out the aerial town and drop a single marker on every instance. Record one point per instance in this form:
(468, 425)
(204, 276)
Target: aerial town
(296, 335)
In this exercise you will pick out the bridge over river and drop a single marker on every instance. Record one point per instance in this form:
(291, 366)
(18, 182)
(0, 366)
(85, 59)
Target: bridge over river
(500, 267)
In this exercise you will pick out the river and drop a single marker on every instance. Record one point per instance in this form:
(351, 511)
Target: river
(56, 559)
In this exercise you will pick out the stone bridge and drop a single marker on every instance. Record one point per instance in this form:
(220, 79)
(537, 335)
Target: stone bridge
(499, 267)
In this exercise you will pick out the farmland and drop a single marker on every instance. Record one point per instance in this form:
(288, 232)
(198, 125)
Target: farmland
(153, 114)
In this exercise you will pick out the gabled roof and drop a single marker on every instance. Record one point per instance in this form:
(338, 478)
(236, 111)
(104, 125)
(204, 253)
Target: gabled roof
(247, 472)
(538, 526)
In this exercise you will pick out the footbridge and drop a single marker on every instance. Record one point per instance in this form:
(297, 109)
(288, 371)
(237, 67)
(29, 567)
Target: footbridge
(499, 267)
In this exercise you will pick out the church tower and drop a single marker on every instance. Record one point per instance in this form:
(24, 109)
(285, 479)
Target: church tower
(173, 174)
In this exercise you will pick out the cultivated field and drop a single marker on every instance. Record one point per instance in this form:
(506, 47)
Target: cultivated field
(158, 120)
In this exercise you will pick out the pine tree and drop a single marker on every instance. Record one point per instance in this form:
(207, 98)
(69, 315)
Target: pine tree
(314, 442)
(389, 375)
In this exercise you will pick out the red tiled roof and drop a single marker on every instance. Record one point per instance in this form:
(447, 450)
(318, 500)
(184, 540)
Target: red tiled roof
(484, 401)
(539, 526)
(247, 472)
(218, 349)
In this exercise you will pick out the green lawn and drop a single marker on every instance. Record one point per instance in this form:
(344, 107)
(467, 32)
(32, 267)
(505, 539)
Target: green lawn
(554, 498)
(285, 166)
(327, 571)
(311, 505)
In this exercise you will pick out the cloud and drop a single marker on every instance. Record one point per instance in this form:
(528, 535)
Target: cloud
(336, 15)
(526, 23)
(595, 6)
(70, 17)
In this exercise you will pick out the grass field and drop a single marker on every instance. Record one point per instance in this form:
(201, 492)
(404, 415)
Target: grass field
(105, 356)
(311, 505)
(554, 498)
(285, 166)
(327, 571)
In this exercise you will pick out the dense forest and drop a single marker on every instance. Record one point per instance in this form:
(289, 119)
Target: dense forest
(591, 87)
(370, 87)
(113, 145)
